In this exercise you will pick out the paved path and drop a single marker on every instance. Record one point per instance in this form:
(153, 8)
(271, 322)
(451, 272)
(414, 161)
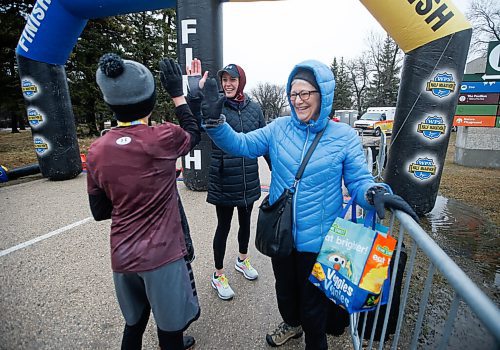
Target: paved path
(57, 293)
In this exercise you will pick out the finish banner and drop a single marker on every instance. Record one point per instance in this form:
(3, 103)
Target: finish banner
(53, 27)
(414, 23)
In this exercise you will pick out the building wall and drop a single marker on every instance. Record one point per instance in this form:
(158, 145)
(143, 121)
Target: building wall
(478, 147)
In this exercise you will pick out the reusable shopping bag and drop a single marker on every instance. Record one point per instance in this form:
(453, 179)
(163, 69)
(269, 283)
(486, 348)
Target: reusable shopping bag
(274, 236)
(353, 262)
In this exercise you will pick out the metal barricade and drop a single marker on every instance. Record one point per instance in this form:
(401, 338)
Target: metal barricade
(409, 327)
(375, 162)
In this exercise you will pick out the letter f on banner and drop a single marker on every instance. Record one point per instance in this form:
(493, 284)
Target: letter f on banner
(186, 30)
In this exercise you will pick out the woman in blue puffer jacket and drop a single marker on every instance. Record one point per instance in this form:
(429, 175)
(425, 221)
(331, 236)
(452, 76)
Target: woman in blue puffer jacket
(318, 197)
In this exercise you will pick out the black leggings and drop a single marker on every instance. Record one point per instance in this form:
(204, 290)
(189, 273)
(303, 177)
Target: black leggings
(224, 217)
(299, 301)
(132, 335)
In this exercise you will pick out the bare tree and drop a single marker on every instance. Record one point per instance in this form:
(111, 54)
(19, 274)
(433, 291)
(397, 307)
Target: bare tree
(485, 17)
(359, 75)
(271, 98)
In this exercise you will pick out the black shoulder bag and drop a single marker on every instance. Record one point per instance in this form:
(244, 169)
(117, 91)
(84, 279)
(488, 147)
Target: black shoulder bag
(274, 236)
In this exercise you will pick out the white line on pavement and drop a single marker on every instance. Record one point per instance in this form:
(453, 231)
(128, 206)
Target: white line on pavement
(45, 236)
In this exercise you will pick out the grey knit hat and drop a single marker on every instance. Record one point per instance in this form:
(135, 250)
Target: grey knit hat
(127, 87)
(306, 75)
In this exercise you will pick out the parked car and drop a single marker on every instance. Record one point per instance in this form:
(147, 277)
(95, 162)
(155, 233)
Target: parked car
(376, 120)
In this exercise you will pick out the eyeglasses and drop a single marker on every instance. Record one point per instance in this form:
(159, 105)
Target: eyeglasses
(304, 95)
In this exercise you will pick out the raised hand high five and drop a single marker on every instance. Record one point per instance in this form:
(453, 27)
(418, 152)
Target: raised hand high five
(171, 77)
(212, 104)
(196, 81)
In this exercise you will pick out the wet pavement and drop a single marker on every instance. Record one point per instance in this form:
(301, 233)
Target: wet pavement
(58, 293)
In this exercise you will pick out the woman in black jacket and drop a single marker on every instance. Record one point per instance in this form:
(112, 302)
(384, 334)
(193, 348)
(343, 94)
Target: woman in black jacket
(233, 181)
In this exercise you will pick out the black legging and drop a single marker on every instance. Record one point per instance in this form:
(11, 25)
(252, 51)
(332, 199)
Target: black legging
(224, 217)
(132, 335)
(299, 301)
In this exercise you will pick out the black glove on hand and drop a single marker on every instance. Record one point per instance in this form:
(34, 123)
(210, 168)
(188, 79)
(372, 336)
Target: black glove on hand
(171, 77)
(380, 198)
(194, 103)
(194, 85)
(211, 107)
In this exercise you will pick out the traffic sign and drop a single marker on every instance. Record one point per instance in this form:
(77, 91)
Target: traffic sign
(477, 109)
(479, 99)
(487, 86)
(474, 120)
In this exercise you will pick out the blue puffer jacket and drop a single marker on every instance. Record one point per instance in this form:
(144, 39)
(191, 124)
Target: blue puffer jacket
(338, 156)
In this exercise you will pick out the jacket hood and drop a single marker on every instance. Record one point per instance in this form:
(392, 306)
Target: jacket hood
(326, 81)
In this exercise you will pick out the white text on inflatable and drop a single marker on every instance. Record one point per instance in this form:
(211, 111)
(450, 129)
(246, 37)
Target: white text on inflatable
(195, 158)
(33, 23)
(186, 30)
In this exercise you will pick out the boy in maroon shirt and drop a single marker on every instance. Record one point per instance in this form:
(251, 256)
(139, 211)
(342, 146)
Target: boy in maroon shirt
(132, 180)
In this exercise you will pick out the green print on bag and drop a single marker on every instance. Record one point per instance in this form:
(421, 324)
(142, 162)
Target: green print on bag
(338, 230)
(347, 253)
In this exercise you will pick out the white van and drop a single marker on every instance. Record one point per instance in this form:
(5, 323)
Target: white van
(376, 120)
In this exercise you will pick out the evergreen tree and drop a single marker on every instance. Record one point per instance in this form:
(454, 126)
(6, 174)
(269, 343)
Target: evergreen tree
(385, 63)
(152, 36)
(13, 16)
(343, 86)
(99, 37)
(142, 37)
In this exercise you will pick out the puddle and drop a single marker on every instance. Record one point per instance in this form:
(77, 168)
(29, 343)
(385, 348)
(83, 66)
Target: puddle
(468, 237)
(473, 242)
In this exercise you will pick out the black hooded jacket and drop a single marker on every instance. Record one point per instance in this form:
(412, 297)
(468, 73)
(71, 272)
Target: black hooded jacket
(234, 181)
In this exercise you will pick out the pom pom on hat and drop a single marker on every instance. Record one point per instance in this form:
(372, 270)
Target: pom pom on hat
(111, 65)
(127, 86)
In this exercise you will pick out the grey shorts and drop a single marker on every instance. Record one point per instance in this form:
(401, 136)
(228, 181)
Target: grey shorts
(169, 290)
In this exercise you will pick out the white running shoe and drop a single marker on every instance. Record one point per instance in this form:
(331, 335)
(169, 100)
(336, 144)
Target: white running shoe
(246, 269)
(221, 285)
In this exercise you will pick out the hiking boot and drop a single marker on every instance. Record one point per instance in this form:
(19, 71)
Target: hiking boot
(282, 334)
(246, 269)
(221, 285)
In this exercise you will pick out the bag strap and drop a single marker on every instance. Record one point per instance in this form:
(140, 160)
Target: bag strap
(350, 204)
(370, 219)
(308, 155)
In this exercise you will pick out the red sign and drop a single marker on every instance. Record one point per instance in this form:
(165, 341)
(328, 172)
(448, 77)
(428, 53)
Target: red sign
(474, 120)
(479, 99)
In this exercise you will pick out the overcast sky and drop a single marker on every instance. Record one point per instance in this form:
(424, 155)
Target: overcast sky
(268, 38)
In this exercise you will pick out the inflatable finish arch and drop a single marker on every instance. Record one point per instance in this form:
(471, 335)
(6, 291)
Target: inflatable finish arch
(434, 35)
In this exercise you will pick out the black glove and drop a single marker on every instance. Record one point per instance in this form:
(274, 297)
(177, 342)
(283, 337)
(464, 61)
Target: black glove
(194, 85)
(171, 77)
(211, 106)
(195, 103)
(380, 198)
